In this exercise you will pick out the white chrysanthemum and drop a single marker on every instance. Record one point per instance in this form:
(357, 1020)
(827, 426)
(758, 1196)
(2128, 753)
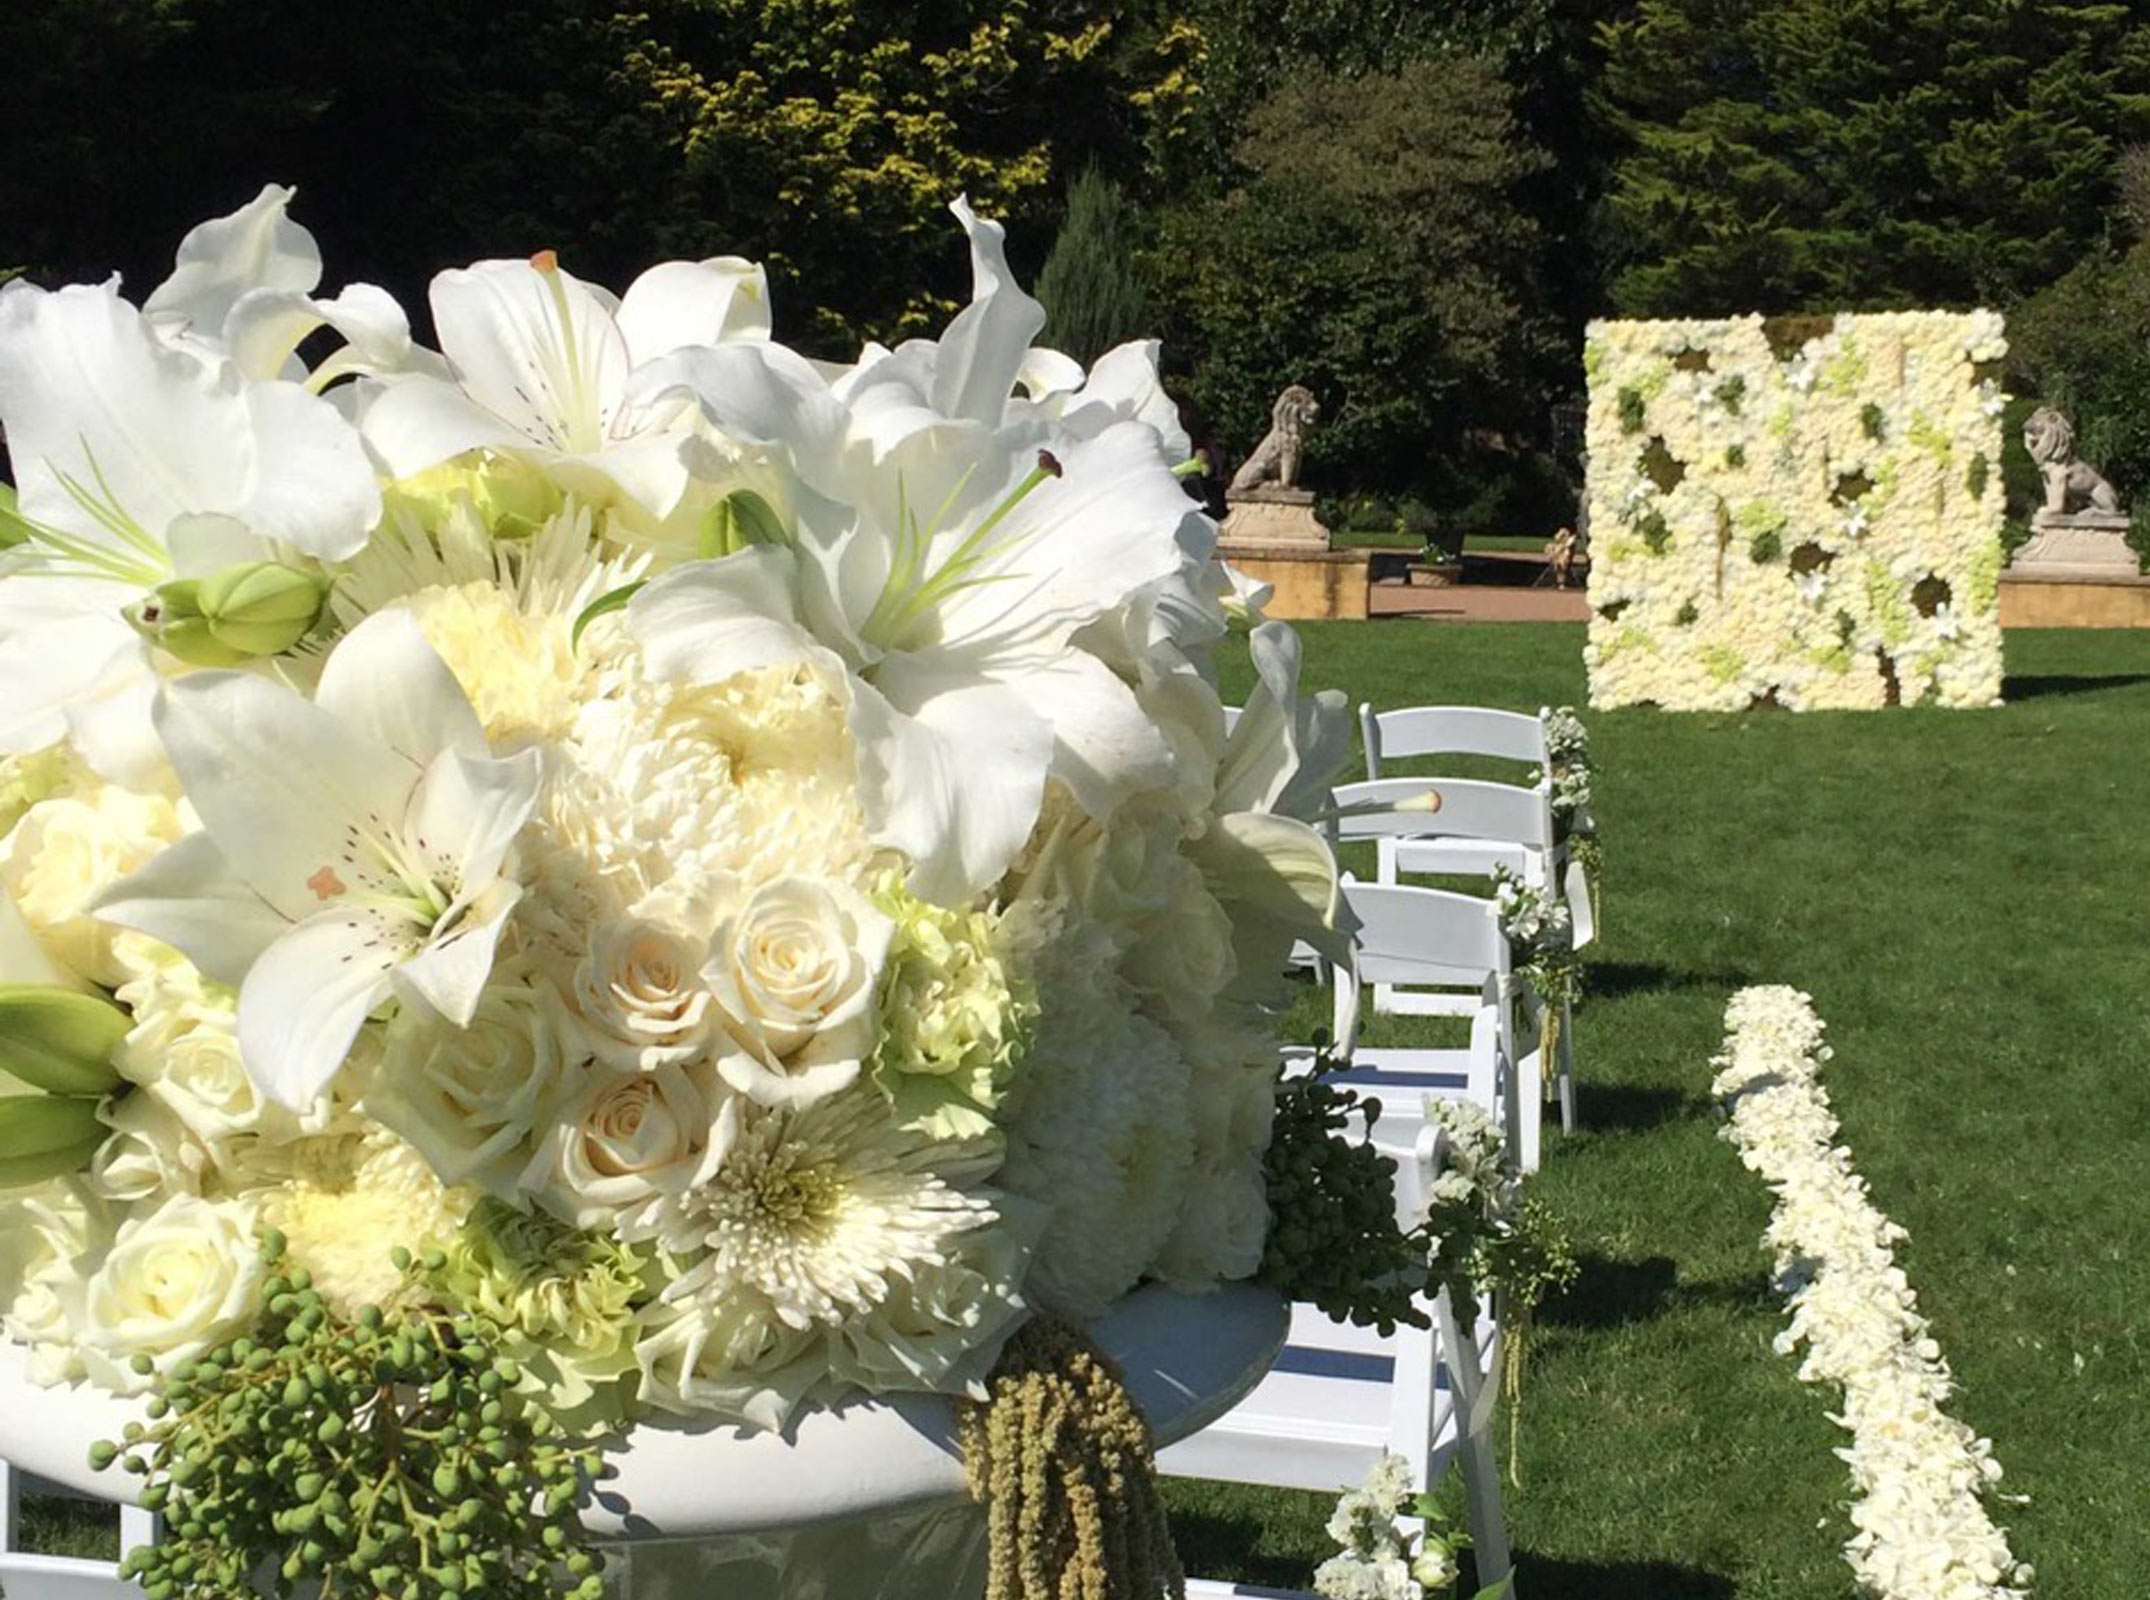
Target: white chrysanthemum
(832, 1247)
(1099, 1129)
(360, 1200)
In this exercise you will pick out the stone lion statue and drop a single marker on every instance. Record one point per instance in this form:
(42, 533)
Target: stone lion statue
(2070, 485)
(1276, 458)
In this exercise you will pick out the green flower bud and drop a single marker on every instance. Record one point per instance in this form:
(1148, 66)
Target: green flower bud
(58, 1040)
(257, 608)
(739, 520)
(46, 1136)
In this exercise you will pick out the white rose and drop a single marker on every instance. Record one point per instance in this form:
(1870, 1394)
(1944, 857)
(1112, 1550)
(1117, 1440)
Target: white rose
(204, 1083)
(151, 1152)
(638, 990)
(174, 1283)
(795, 970)
(470, 1099)
(48, 1234)
(65, 852)
(625, 1139)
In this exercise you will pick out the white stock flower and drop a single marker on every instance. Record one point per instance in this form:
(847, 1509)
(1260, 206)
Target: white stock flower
(354, 845)
(175, 1282)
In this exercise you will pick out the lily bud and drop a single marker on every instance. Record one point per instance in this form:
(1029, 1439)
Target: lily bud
(512, 499)
(740, 519)
(59, 1040)
(46, 1136)
(257, 608)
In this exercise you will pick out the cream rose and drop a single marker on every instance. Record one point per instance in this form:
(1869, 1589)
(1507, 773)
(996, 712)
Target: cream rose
(794, 970)
(470, 1099)
(151, 1151)
(638, 989)
(64, 852)
(174, 1283)
(625, 1139)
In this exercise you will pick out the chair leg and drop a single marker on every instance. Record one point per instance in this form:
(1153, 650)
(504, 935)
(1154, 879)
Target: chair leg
(1565, 1070)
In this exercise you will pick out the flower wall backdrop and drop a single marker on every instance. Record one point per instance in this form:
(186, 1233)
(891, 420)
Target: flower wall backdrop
(1798, 511)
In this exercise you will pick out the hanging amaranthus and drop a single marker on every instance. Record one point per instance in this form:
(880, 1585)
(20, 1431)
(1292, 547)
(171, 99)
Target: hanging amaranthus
(1067, 1470)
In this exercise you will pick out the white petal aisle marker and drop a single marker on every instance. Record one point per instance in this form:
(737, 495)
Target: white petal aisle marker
(1923, 1532)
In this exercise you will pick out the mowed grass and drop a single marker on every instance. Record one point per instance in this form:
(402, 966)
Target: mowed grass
(1967, 897)
(1964, 894)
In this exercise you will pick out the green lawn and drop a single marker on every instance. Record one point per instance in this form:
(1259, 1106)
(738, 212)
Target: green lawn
(1964, 895)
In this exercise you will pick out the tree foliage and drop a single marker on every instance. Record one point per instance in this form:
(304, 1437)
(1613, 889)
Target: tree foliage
(824, 139)
(1377, 254)
(1839, 154)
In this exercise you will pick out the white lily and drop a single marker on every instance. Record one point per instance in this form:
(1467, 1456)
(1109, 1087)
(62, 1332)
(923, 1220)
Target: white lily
(954, 628)
(243, 288)
(354, 845)
(138, 462)
(543, 367)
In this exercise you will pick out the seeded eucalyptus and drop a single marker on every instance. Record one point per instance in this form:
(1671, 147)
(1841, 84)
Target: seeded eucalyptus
(387, 1456)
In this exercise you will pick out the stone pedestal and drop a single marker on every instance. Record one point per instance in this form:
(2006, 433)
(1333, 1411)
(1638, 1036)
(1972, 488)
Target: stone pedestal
(2080, 545)
(1310, 582)
(1273, 519)
(2039, 600)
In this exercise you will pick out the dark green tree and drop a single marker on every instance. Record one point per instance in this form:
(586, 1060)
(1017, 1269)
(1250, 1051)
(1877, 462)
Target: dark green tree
(1090, 288)
(1782, 155)
(1377, 254)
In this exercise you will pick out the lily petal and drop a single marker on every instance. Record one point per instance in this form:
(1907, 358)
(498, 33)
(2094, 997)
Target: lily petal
(386, 681)
(985, 345)
(449, 975)
(276, 778)
(536, 346)
(709, 620)
(256, 247)
(952, 772)
(1106, 747)
(188, 896)
(304, 1001)
(470, 808)
(677, 304)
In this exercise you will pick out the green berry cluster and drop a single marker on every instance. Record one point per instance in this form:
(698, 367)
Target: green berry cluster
(384, 1458)
(1333, 1239)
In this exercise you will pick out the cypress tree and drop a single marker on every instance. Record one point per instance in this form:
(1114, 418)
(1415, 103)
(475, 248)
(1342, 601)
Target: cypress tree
(1092, 295)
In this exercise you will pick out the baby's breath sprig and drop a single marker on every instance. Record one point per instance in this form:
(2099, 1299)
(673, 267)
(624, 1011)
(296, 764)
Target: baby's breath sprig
(387, 1456)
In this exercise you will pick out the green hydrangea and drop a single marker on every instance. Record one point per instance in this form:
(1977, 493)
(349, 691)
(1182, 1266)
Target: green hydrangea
(955, 1017)
(562, 1303)
(26, 780)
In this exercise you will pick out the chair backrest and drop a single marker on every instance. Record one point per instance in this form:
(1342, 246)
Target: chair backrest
(1450, 730)
(1443, 808)
(1412, 935)
(27, 1575)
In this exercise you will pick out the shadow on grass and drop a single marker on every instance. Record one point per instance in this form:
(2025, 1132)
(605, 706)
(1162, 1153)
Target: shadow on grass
(1544, 1578)
(1611, 1293)
(1611, 980)
(1630, 1108)
(2014, 689)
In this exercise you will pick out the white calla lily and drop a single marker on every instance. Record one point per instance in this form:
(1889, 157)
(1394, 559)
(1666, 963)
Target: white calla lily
(355, 845)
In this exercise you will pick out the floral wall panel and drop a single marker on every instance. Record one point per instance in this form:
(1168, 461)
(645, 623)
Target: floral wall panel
(1798, 511)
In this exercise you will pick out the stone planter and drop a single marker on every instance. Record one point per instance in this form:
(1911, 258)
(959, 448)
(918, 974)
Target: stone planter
(1436, 574)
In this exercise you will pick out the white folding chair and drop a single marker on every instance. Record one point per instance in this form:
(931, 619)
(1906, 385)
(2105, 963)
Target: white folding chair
(26, 1575)
(1432, 952)
(1417, 732)
(1340, 1397)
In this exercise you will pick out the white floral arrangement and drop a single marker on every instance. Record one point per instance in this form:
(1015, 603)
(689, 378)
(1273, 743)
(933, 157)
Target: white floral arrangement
(1803, 512)
(1923, 1532)
(735, 862)
(1377, 1558)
